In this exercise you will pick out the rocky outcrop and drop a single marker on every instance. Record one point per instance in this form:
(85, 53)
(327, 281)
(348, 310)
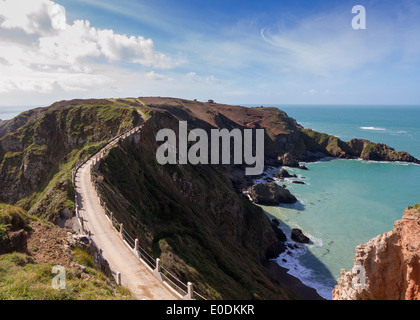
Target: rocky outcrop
(298, 236)
(303, 167)
(288, 160)
(43, 143)
(279, 233)
(280, 246)
(13, 225)
(324, 144)
(191, 217)
(270, 194)
(387, 267)
(298, 182)
(377, 152)
(13, 241)
(285, 174)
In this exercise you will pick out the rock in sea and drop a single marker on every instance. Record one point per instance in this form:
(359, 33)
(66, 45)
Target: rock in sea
(298, 236)
(298, 182)
(270, 194)
(285, 174)
(288, 160)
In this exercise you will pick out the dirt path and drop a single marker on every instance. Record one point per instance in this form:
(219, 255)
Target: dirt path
(134, 274)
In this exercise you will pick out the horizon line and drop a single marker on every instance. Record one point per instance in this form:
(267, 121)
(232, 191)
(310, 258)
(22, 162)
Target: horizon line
(243, 104)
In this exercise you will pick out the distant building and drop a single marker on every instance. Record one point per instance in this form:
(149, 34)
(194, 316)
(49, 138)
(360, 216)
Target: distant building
(210, 101)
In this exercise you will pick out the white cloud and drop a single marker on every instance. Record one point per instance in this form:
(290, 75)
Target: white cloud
(315, 92)
(15, 79)
(72, 44)
(41, 52)
(211, 79)
(157, 76)
(132, 49)
(193, 76)
(34, 16)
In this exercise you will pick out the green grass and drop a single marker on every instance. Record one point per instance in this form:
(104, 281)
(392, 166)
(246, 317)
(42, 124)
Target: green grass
(21, 279)
(417, 206)
(12, 218)
(3, 231)
(57, 139)
(60, 199)
(83, 257)
(317, 141)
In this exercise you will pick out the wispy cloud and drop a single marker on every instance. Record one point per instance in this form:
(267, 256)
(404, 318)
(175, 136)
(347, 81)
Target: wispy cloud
(326, 44)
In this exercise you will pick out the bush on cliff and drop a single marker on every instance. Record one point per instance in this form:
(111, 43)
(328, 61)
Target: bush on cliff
(14, 217)
(417, 206)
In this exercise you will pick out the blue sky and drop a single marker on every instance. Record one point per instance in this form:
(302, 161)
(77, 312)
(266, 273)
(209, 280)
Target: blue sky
(238, 52)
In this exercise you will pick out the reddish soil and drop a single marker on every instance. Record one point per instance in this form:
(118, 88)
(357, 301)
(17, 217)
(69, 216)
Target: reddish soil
(47, 243)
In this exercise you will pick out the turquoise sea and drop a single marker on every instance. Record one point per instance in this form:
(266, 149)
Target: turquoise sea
(348, 202)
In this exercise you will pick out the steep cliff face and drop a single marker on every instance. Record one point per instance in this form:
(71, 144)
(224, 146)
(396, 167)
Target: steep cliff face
(190, 217)
(39, 148)
(283, 133)
(377, 151)
(317, 142)
(391, 263)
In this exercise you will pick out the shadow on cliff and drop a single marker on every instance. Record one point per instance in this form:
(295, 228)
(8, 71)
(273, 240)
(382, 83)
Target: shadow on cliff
(294, 250)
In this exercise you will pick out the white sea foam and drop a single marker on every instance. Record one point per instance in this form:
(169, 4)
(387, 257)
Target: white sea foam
(322, 160)
(305, 275)
(399, 132)
(394, 163)
(373, 128)
(315, 242)
(290, 260)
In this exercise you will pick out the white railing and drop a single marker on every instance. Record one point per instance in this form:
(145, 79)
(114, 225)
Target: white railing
(178, 287)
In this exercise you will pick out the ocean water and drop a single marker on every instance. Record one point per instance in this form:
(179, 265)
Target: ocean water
(7, 113)
(347, 202)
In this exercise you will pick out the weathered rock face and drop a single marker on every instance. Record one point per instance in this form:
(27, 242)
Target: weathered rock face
(39, 144)
(15, 241)
(270, 194)
(13, 236)
(298, 182)
(391, 262)
(318, 144)
(288, 160)
(298, 236)
(377, 151)
(191, 218)
(285, 174)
